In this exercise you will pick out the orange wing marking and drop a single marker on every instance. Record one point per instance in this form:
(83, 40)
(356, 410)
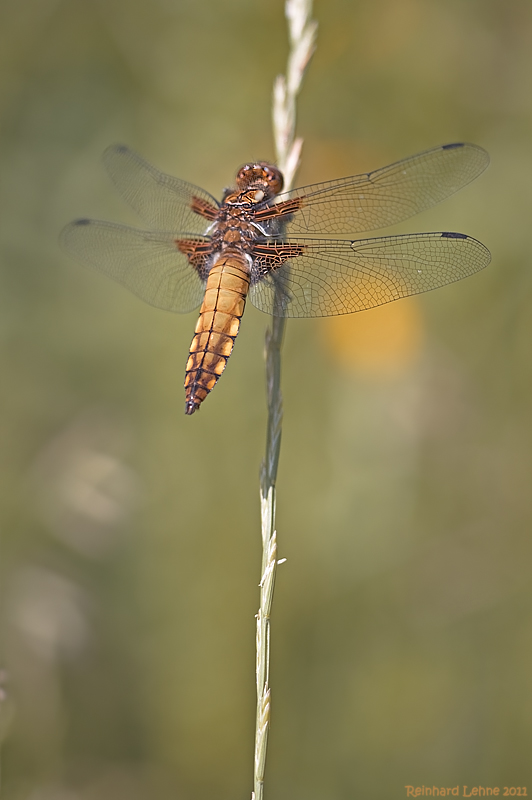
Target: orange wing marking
(198, 252)
(277, 254)
(203, 208)
(283, 209)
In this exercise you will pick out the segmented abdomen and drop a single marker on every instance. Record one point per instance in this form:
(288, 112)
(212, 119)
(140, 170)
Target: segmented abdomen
(217, 327)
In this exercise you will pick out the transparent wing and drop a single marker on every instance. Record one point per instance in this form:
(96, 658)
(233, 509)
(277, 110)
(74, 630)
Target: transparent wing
(339, 277)
(148, 263)
(163, 202)
(383, 197)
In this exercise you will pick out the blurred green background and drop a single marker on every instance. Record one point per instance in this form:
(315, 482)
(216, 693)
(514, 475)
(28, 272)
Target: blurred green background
(402, 628)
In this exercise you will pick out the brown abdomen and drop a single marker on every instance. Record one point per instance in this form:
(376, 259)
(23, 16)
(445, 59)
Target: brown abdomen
(217, 327)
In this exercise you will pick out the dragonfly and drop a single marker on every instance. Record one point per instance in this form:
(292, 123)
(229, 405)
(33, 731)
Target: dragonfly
(260, 242)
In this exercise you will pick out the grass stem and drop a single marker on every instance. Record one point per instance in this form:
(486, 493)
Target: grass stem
(302, 34)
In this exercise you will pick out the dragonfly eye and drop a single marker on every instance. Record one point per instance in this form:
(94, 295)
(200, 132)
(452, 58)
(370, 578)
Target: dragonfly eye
(245, 176)
(274, 177)
(261, 174)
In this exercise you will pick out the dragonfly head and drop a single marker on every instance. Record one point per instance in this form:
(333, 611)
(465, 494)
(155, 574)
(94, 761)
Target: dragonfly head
(261, 176)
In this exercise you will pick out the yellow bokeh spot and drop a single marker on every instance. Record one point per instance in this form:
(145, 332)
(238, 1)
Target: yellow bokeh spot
(380, 342)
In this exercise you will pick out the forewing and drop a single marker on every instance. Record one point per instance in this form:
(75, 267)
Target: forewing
(383, 197)
(150, 264)
(162, 201)
(331, 277)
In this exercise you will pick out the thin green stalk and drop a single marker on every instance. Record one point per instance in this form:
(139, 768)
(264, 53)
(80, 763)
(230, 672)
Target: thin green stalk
(302, 31)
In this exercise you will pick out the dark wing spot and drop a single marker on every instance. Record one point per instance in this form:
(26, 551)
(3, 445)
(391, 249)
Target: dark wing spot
(121, 148)
(452, 146)
(82, 222)
(455, 235)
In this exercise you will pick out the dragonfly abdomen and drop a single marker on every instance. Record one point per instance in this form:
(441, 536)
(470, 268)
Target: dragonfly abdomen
(217, 327)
